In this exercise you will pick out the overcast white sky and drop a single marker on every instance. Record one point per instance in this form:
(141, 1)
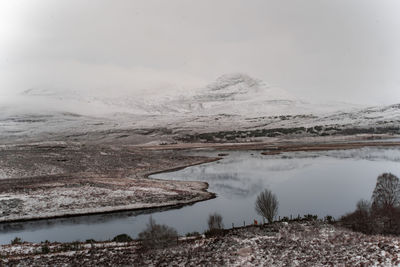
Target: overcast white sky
(317, 49)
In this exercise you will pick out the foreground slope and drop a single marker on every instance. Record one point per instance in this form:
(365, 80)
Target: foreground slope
(280, 244)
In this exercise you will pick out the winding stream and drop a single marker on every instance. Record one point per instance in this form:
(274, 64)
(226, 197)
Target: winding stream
(322, 183)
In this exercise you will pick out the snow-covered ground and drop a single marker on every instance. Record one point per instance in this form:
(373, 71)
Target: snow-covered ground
(97, 195)
(45, 180)
(281, 244)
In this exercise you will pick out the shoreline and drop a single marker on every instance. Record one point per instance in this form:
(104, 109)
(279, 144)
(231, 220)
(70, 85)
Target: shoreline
(112, 210)
(277, 146)
(271, 150)
(203, 188)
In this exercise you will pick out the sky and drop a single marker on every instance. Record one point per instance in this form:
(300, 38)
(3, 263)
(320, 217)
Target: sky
(337, 50)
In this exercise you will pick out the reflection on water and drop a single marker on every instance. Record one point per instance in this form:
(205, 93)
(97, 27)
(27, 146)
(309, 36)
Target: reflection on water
(322, 183)
(89, 219)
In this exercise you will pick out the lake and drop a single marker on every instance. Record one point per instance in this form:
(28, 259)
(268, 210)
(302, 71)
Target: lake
(321, 183)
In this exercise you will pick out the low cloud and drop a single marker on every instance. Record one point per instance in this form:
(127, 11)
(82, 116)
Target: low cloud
(318, 50)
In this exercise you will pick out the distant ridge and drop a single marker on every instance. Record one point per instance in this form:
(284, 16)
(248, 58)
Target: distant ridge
(236, 94)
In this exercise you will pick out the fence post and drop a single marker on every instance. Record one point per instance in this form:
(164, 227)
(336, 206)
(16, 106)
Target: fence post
(244, 223)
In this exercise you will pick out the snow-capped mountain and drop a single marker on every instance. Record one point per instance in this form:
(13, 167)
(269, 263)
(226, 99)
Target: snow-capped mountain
(234, 94)
(233, 102)
(239, 94)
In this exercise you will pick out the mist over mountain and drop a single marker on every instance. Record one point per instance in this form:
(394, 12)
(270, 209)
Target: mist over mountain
(236, 94)
(233, 102)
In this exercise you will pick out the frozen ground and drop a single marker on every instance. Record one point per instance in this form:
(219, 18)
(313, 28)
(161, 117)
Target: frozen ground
(60, 179)
(281, 244)
(95, 195)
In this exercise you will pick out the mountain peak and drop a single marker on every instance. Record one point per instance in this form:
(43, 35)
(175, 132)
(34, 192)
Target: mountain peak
(234, 79)
(241, 87)
(229, 87)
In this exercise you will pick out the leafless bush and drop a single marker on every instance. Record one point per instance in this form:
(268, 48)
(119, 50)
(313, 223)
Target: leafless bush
(16, 240)
(215, 225)
(361, 219)
(215, 222)
(267, 205)
(383, 215)
(363, 206)
(158, 235)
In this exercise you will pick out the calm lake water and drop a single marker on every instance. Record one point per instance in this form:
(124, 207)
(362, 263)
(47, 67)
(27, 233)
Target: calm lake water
(321, 183)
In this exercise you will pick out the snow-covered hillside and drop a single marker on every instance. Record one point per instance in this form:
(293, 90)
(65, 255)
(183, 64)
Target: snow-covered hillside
(239, 94)
(234, 102)
(234, 94)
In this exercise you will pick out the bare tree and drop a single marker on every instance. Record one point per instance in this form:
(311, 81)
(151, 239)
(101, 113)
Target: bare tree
(215, 222)
(387, 192)
(267, 205)
(157, 235)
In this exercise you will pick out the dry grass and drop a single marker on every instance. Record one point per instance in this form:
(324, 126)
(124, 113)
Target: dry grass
(294, 244)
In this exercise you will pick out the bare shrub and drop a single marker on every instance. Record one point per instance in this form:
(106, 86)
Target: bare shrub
(267, 205)
(363, 206)
(215, 222)
(215, 225)
(158, 235)
(310, 217)
(383, 215)
(190, 234)
(361, 219)
(122, 238)
(387, 192)
(329, 219)
(45, 249)
(16, 241)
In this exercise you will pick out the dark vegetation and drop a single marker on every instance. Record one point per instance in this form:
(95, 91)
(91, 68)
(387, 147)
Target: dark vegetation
(192, 234)
(158, 235)
(45, 248)
(319, 130)
(215, 225)
(381, 215)
(122, 238)
(16, 241)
